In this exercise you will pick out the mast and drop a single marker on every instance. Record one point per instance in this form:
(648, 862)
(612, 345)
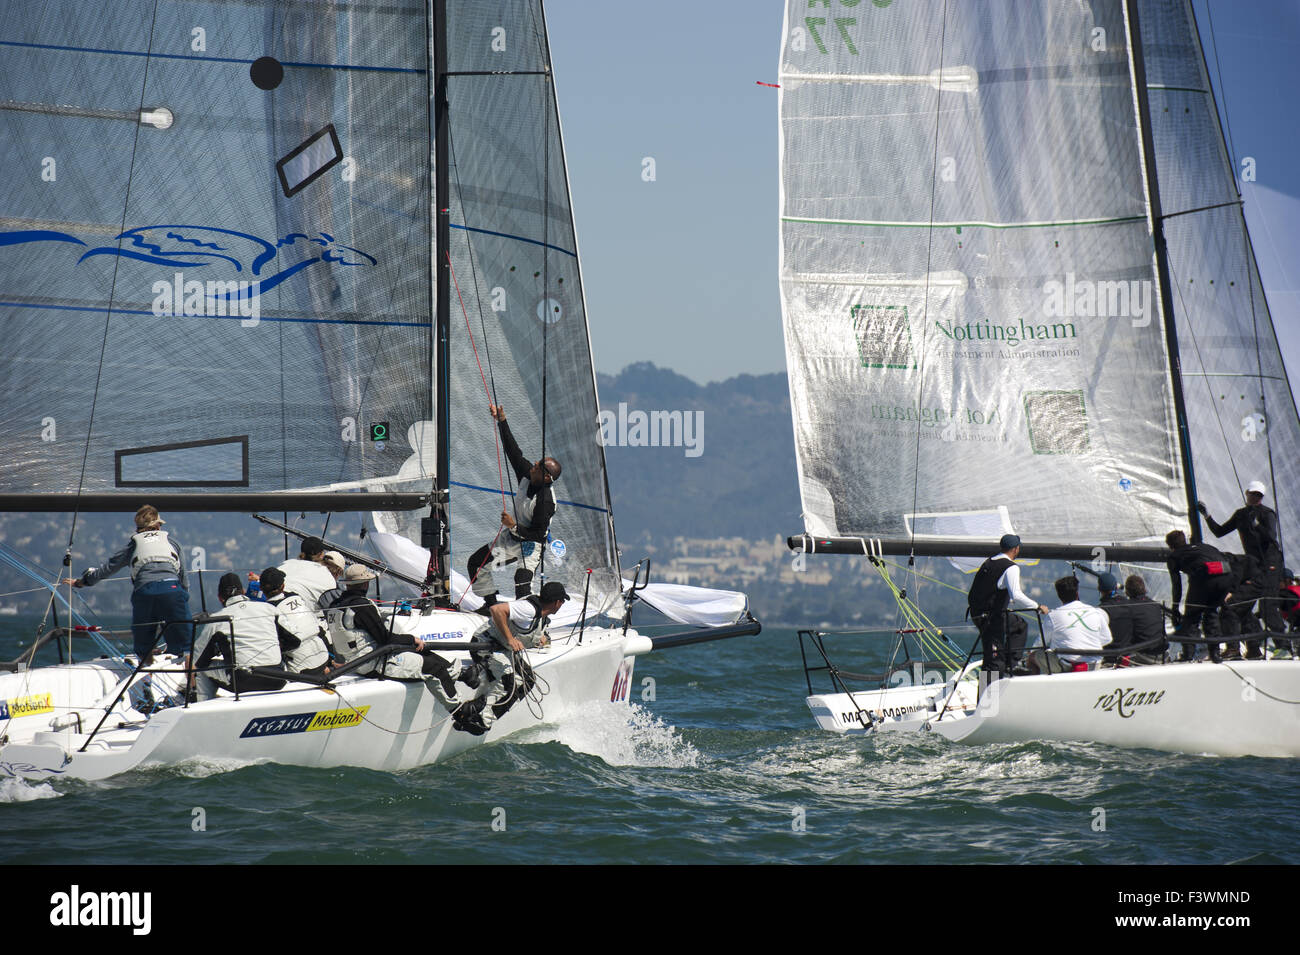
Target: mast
(1162, 260)
(435, 529)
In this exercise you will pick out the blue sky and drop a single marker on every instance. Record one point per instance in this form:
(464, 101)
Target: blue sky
(681, 271)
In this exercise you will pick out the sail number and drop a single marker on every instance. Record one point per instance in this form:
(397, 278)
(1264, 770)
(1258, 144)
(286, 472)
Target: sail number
(819, 29)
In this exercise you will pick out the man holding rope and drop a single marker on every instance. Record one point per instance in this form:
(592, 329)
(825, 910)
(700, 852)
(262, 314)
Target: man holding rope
(523, 533)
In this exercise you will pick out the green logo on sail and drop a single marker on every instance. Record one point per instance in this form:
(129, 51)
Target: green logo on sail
(884, 336)
(1058, 422)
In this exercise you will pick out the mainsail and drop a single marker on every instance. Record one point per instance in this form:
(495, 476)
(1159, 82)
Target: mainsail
(1241, 413)
(214, 243)
(969, 280)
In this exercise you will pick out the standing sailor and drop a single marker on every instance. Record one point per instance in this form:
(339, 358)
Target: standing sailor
(161, 596)
(1256, 525)
(255, 643)
(523, 533)
(499, 674)
(1209, 587)
(993, 592)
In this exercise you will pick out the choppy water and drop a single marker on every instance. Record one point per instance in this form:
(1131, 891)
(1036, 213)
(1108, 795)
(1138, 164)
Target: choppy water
(719, 767)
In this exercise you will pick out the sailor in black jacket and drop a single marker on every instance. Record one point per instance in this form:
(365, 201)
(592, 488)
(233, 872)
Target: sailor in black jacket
(1209, 587)
(1256, 525)
(523, 533)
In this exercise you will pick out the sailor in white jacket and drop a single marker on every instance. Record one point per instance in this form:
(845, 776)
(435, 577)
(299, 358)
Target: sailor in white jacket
(1076, 626)
(301, 627)
(306, 576)
(256, 643)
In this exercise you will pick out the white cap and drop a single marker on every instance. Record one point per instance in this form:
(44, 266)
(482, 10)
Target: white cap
(1257, 487)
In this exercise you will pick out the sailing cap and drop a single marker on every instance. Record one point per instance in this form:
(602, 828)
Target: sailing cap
(357, 573)
(1009, 541)
(1257, 487)
(311, 546)
(1107, 583)
(271, 579)
(335, 558)
(553, 591)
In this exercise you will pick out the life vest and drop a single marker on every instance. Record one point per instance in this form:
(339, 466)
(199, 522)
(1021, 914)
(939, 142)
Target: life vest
(294, 616)
(350, 640)
(525, 508)
(153, 547)
(257, 644)
(525, 635)
(985, 597)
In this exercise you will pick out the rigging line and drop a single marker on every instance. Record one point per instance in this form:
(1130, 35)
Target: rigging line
(929, 252)
(543, 49)
(473, 267)
(501, 480)
(112, 294)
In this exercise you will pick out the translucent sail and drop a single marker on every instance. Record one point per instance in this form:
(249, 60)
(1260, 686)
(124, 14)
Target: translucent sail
(1241, 413)
(967, 273)
(517, 308)
(212, 273)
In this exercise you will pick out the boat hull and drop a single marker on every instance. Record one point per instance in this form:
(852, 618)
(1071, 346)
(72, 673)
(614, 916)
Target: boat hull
(373, 723)
(1242, 708)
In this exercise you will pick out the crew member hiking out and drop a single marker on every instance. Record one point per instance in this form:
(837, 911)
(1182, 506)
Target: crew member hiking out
(1209, 587)
(1256, 525)
(523, 533)
(993, 593)
(160, 597)
(499, 674)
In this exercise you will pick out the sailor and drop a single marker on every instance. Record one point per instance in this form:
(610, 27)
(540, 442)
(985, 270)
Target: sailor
(1209, 587)
(306, 576)
(1137, 621)
(1108, 591)
(332, 561)
(500, 675)
(355, 629)
(1256, 525)
(256, 643)
(1290, 593)
(1076, 626)
(299, 626)
(523, 533)
(161, 595)
(1236, 617)
(993, 592)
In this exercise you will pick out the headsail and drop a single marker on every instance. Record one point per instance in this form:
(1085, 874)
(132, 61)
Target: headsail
(517, 306)
(967, 274)
(213, 265)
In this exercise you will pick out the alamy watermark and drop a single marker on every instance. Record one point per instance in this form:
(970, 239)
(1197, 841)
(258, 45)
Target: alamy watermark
(212, 298)
(1086, 298)
(655, 429)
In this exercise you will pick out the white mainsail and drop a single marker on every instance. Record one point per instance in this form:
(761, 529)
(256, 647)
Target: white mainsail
(970, 292)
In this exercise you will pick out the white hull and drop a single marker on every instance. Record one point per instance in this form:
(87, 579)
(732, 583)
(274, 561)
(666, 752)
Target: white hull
(401, 725)
(1242, 708)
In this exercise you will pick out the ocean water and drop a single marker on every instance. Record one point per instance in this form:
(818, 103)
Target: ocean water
(723, 765)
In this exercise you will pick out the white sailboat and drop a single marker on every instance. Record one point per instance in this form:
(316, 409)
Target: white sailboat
(1019, 296)
(255, 219)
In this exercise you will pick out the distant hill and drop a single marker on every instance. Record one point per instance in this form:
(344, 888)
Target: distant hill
(742, 483)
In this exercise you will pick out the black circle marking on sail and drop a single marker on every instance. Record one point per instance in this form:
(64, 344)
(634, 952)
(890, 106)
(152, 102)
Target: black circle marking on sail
(266, 72)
